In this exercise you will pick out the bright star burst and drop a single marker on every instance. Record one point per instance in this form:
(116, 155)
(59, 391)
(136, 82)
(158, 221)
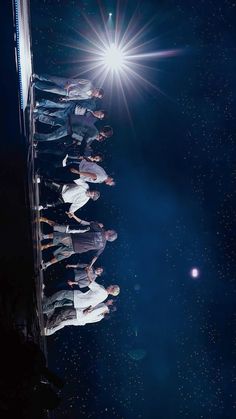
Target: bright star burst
(117, 54)
(114, 58)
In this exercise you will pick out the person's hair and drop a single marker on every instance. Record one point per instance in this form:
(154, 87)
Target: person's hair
(107, 131)
(100, 91)
(95, 196)
(103, 272)
(111, 235)
(115, 291)
(94, 154)
(105, 114)
(112, 310)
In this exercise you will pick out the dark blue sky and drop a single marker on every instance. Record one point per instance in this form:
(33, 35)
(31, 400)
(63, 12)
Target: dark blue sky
(173, 209)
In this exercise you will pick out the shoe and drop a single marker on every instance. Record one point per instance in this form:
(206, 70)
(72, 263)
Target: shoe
(43, 265)
(34, 76)
(40, 207)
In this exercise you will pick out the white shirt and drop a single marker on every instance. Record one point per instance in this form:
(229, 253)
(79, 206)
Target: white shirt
(79, 110)
(96, 295)
(76, 195)
(87, 166)
(94, 316)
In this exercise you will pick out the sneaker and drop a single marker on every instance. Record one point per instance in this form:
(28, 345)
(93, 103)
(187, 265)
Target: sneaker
(34, 76)
(64, 161)
(43, 265)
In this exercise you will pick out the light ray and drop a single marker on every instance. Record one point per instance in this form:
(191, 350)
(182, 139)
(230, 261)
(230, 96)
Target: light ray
(118, 53)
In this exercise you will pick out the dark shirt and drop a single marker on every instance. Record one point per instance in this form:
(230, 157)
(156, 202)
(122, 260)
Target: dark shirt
(80, 128)
(94, 239)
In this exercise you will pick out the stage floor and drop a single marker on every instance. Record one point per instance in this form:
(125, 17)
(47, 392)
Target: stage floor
(24, 61)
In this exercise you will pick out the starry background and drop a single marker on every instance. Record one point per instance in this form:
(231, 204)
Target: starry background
(169, 351)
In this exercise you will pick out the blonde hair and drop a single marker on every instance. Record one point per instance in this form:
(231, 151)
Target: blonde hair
(115, 290)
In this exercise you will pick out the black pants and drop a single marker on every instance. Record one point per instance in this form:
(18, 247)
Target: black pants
(62, 175)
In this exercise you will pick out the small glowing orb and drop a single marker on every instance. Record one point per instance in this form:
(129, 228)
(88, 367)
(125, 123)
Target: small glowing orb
(194, 273)
(113, 57)
(110, 14)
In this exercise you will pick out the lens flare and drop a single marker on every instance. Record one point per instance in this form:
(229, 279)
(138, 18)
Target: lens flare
(113, 58)
(194, 272)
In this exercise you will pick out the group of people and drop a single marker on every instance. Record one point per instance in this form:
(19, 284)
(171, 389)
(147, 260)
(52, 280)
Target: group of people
(73, 165)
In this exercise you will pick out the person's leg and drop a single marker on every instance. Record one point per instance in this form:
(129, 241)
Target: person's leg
(44, 104)
(54, 136)
(63, 252)
(60, 228)
(53, 186)
(48, 331)
(59, 315)
(55, 204)
(61, 175)
(59, 81)
(45, 265)
(49, 119)
(52, 88)
(47, 221)
(60, 114)
(48, 245)
(59, 299)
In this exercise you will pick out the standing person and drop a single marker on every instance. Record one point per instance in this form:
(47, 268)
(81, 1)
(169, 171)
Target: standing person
(76, 195)
(87, 171)
(58, 118)
(64, 157)
(83, 275)
(72, 89)
(77, 299)
(77, 130)
(90, 171)
(75, 317)
(72, 241)
(63, 109)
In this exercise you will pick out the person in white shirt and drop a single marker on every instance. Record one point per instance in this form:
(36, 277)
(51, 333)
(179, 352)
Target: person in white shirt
(76, 194)
(92, 172)
(76, 317)
(79, 300)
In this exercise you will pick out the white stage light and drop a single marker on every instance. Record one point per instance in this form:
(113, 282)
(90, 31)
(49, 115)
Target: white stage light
(113, 58)
(194, 273)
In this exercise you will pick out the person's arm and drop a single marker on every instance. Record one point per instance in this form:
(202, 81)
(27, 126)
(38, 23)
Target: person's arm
(88, 310)
(92, 262)
(77, 231)
(71, 283)
(89, 273)
(92, 176)
(69, 99)
(82, 222)
(82, 265)
(74, 207)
